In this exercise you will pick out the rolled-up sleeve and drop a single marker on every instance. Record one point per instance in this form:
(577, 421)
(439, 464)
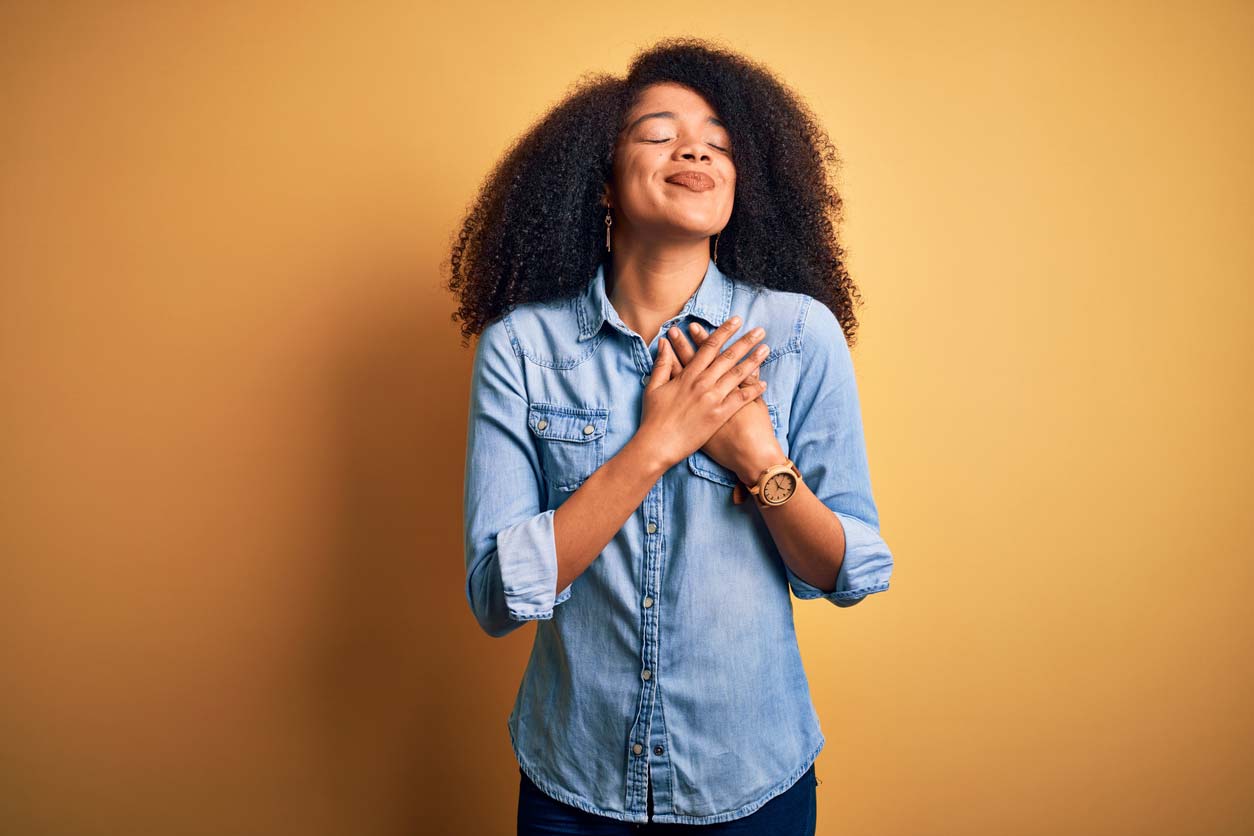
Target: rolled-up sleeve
(510, 550)
(826, 442)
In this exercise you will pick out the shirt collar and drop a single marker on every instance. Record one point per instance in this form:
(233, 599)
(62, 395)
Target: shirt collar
(711, 303)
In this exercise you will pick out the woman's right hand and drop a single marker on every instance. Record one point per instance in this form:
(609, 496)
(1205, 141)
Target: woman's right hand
(686, 404)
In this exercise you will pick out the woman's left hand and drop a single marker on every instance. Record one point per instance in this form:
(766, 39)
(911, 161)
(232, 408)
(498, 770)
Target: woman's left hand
(746, 443)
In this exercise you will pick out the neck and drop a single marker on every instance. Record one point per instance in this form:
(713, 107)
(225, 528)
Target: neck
(649, 282)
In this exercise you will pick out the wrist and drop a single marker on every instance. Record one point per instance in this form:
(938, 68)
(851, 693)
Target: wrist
(647, 456)
(752, 467)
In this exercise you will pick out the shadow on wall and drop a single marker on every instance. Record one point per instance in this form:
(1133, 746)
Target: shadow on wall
(406, 700)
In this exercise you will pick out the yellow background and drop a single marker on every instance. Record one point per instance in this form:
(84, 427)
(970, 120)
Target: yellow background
(234, 404)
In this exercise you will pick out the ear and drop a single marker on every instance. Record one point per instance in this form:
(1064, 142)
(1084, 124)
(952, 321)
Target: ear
(607, 196)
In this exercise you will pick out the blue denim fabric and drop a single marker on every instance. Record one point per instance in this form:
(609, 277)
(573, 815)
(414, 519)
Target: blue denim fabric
(673, 655)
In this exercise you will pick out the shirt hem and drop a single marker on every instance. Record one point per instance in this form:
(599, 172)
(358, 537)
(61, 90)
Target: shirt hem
(580, 803)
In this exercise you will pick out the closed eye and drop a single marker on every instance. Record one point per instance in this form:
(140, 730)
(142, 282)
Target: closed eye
(711, 144)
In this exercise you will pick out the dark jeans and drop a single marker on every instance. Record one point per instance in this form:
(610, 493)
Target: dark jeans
(791, 813)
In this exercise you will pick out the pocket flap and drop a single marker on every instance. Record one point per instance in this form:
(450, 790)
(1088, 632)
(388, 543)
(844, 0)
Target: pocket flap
(567, 423)
(701, 464)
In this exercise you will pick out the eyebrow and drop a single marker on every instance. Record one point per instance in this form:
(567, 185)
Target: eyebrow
(666, 114)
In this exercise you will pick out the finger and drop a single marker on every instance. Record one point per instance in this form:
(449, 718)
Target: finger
(672, 362)
(661, 366)
(697, 330)
(738, 374)
(683, 349)
(741, 396)
(709, 350)
(755, 385)
(731, 355)
(698, 333)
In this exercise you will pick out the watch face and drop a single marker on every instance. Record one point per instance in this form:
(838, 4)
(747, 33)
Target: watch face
(779, 487)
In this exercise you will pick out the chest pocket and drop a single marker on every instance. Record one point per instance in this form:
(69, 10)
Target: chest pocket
(571, 441)
(701, 464)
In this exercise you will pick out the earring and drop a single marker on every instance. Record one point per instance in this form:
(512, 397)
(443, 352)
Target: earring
(716, 247)
(608, 222)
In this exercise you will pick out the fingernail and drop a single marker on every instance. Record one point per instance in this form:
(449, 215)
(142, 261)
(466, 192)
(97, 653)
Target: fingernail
(735, 320)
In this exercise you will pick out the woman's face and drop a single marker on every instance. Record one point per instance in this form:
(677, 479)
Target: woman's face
(671, 131)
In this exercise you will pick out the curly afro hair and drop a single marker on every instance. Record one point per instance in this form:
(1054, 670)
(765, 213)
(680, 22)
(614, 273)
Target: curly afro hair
(536, 232)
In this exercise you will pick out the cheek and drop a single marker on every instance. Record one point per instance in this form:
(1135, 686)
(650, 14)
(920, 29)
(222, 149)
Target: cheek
(644, 183)
(637, 197)
(635, 169)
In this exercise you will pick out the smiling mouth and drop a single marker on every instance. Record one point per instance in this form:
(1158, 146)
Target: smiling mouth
(692, 180)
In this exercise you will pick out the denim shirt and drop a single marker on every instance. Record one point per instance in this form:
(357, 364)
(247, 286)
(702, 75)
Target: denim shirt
(673, 657)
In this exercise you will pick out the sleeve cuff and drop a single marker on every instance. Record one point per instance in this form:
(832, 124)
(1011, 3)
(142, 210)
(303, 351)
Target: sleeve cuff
(527, 557)
(866, 568)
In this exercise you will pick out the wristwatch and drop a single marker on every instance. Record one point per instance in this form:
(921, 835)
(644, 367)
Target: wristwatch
(775, 486)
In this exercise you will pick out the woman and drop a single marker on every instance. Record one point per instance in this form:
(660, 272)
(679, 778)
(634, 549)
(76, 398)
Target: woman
(664, 439)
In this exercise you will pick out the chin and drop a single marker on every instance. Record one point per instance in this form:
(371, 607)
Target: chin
(695, 225)
(689, 233)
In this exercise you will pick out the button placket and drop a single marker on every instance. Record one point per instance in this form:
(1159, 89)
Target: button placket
(648, 723)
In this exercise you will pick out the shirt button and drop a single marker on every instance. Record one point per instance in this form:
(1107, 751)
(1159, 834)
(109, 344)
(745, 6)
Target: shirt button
(648, 602)
(637, 748)
(646, 674)
(652, 528)
(657, 750)
(542, 424)
(588, 430)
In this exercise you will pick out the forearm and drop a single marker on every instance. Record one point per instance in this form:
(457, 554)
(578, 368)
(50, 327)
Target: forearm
(809, 537)
(586, 522)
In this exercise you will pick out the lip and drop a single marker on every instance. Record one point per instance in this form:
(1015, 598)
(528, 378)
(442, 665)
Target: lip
(697, 181)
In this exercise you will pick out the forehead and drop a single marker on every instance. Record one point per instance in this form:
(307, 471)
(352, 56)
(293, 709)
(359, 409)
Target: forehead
(684, 102)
